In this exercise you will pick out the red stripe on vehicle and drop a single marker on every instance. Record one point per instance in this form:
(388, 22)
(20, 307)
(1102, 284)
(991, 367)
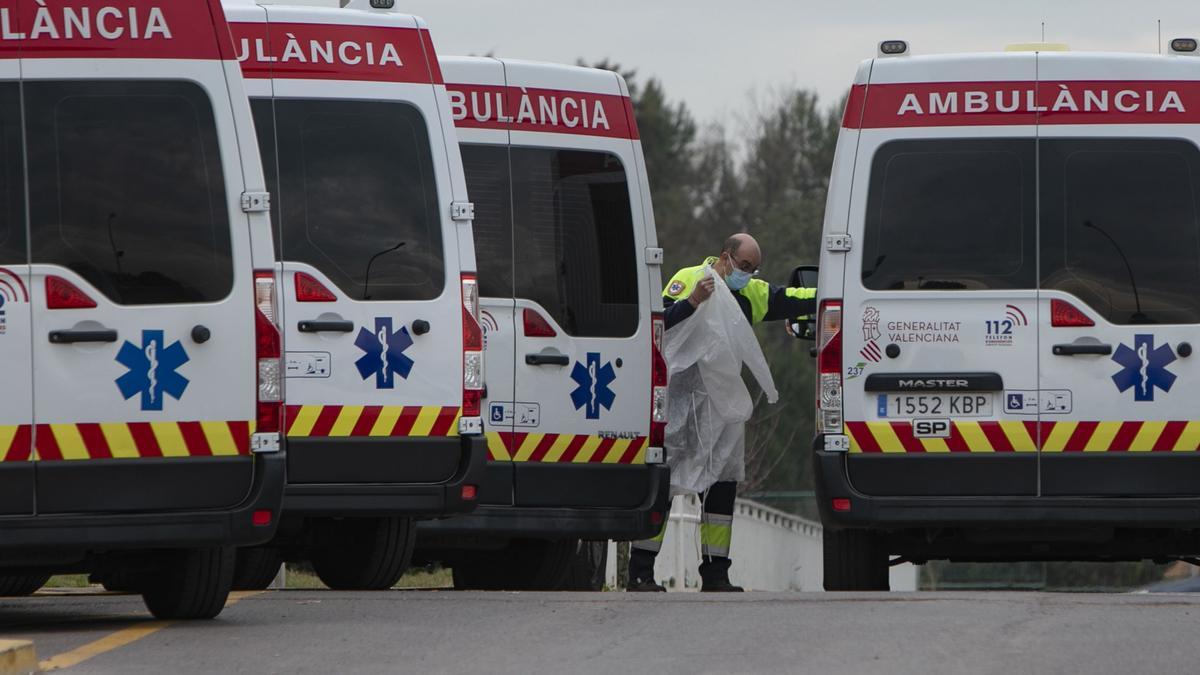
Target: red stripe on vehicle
(1170, 434)
(94, 441)
(573, 449)
(435, 68)
(366, 420)
(241, 436)
(543, 447)
(47, 445)
(1080, 437)
(855, 105)
(956, 442)
(996, 103)
(996, 436)
(602, 451)
(445, 421)
(862, 434)
(559, 111)
(319, 51)
(162, 30)
(194, 438)
(634, 448)
(1044, 431)
(144, 439)
(325, 420)
(904, 432)
(406, 420)
(21, 446)
(291, 413)
(1125, 436)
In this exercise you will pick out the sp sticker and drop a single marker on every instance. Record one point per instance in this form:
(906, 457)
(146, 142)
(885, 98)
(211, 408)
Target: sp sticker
(1144, 368)
(152, 370)
(931, 428)
(383, 353)
(592, 391)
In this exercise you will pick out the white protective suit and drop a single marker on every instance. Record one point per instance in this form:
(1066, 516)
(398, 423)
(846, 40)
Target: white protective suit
(707, 400)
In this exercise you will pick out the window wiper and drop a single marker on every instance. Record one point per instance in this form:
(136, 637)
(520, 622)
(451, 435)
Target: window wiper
(367, 276)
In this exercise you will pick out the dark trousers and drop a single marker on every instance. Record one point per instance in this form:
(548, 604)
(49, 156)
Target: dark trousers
(716, 532)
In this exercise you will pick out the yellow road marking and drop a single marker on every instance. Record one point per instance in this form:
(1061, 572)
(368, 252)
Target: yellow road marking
(119, 639)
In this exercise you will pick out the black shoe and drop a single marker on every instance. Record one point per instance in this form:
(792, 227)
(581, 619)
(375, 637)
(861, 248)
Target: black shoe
(720, 586)
(644, 586)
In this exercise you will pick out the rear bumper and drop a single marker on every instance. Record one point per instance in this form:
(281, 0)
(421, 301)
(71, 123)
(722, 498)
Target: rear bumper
(84, 533)
(993, 511)
(419, 499)
(591, 515)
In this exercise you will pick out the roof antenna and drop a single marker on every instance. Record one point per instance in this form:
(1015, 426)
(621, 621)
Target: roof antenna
(1160, 37)
(1043, 31)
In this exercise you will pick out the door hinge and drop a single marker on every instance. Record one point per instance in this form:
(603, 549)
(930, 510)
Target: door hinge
(837, 443)
(654, 255)
(256, 202)
(264, 442)
(462, 211)
(838, 242)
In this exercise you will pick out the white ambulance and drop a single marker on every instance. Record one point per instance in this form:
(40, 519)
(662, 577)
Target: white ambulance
(383, 349)
(139, 425)
(1008, 300)
(570, 279)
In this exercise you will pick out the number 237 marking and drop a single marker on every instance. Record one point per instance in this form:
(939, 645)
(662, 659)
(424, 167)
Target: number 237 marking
(855, 371)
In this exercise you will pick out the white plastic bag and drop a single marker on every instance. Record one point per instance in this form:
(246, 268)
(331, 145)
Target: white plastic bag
(707, 401)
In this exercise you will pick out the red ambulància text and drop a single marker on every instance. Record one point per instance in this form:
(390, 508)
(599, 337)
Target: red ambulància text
(346, 52)
(545, 109)
(66, 23)
(1065, 100)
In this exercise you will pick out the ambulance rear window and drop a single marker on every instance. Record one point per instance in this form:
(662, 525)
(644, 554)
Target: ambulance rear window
(574, 239)
(12, 186)
(126, 188)
(1121, 226)
(951, 215)
(356, 195)
(490, 189)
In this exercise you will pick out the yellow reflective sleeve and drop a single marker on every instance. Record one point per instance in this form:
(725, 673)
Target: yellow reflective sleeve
(758, 292)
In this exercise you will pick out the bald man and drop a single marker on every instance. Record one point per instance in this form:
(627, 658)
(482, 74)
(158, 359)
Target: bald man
(737, 265)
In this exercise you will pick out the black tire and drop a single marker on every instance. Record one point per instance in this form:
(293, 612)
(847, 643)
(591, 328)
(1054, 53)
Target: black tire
(532, 565)
(855, 560)
(363, 554)
(588, 567)
(256, 568)
(17, 585)
(190, 584)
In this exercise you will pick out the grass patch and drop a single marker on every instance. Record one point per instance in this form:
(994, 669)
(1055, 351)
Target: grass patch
(422, 577)
(69, 581)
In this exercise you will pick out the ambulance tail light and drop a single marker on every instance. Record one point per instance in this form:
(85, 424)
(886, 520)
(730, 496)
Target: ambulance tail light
(658, 383)
(267, 355)
(1065, 315)
(829, 367)
(472, 356)
(62, 294)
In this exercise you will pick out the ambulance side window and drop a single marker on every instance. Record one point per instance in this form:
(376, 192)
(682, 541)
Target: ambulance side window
(12, 185)
(951, 215)
(1121, 226)
(263, 110)
(574, 242)
(358, 196)
(126, 188)
(489, 187)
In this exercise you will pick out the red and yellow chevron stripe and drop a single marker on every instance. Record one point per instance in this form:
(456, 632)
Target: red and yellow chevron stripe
(1024, 436)
(124, 440)
(565, 448)
(306, 421)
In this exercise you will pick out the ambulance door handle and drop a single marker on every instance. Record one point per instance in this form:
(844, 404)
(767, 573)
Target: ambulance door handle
(325, 326)
(66, 337)
(547, 359)
(1087, 348)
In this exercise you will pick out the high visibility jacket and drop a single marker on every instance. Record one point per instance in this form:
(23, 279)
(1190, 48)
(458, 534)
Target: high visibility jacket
(759, 300)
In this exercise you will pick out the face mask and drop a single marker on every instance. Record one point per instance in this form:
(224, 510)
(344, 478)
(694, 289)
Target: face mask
(737, 279)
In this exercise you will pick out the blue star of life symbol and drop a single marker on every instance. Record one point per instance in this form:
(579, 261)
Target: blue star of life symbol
(152, 370)
(384, 355)
(1144, 367)
(593, 380)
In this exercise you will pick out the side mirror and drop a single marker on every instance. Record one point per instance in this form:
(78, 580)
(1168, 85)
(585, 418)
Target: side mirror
(804, 276)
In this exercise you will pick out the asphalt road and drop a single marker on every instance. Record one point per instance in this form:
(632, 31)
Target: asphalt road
(467, 632)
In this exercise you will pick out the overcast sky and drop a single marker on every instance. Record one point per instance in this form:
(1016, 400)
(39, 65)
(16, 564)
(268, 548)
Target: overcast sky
(712, 53)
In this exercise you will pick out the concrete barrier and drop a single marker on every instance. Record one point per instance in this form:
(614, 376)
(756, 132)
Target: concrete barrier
(772, 551)
(18, 657)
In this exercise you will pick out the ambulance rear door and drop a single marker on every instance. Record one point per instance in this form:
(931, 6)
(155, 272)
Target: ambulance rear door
(16, 402)
(939, 316)
(583, 316)
(477, 97)
(371, 286)
(142, 275)
(1120, 269)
